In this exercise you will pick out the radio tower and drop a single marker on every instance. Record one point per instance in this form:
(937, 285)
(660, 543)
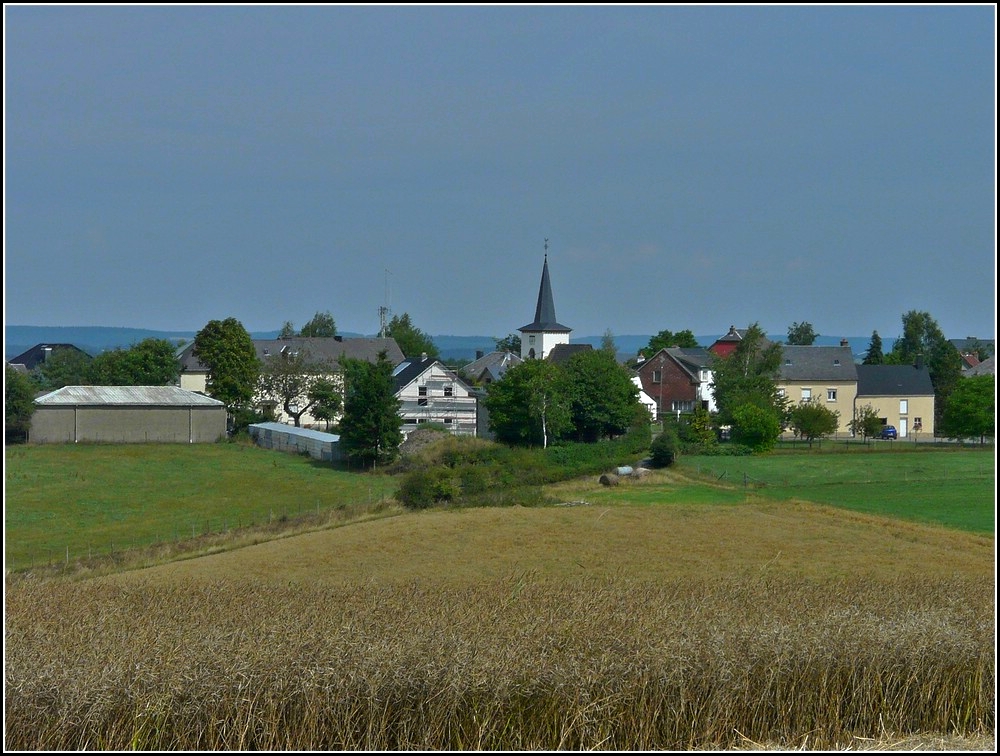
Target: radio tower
(383, 311)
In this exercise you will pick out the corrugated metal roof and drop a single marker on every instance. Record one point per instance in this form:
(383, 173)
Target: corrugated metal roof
(119, 396)
(301, 432)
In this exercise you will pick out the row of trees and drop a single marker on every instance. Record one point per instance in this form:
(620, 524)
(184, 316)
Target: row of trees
(589, 398)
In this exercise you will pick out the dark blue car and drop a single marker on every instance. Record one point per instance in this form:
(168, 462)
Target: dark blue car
(888, 431)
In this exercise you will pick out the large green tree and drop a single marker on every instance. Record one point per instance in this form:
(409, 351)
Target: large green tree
(411, 340)
(509, 343)
(747, 376)
(923, 339)
(801, 334)
(322, 324)
(972, 409)
(812, 420)
(64, 367)
(370, 428)
(226, 349)
(603, 397)
(18, 405)
(150, 362)
(874, 354)
(287, 378)
(326, 399)
(530, 405)
(666, 339)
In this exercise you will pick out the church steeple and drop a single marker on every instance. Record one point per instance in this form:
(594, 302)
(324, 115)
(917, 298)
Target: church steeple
(544, 331)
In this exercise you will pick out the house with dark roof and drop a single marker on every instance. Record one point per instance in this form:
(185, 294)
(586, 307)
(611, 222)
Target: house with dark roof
(326, 351)
(724, 345)
(822, 374)
(39, 353)
(544, 332)
(902, 395)
(560, 354)
(487, 368)
(429, 392)
(678, 379)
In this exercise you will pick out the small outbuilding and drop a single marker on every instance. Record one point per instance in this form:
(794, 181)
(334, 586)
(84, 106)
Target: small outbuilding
(288, 438)
(127, 415)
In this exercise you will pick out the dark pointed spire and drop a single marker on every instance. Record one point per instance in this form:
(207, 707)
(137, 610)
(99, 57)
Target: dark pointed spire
(545, 310)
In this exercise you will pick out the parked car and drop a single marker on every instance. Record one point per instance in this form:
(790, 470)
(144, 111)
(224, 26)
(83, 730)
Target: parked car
(888, 431)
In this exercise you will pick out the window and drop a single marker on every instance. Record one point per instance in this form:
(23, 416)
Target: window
(448, 391)
(678, 406)
(657, 376)
(422, 396)
(781, 392)
(903, 406)
(831, 395)
(836, 363)
(807, 394)
(917, 424)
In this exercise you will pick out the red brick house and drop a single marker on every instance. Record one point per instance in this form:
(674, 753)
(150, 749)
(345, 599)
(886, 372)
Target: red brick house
(678, 380)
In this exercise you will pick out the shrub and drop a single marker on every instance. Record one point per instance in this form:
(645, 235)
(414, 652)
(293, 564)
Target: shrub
(665, 447)
(423, 488)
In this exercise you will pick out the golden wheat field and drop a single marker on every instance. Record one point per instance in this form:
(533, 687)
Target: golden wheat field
(574, 627)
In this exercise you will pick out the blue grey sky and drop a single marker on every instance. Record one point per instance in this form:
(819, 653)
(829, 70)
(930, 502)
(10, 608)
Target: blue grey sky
(691, 167)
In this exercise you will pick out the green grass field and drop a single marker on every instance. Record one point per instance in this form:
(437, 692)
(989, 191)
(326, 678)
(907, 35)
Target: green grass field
(91, 499)
(76, 501)
(952, 488)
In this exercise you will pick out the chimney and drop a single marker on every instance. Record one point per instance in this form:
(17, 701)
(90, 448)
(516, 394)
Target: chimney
(845, 342)
(423, 356)
(919, 362)
(479, 354)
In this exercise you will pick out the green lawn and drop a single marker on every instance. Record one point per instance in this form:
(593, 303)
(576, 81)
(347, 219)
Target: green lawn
(88, 498)
(955, 488)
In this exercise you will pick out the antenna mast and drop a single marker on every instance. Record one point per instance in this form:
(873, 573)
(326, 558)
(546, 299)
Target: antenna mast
(383, 311)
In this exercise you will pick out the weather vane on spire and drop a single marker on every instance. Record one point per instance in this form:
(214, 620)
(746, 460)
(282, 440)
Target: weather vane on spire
(546, 248)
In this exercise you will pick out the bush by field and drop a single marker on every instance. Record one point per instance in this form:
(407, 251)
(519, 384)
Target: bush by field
(473, 472)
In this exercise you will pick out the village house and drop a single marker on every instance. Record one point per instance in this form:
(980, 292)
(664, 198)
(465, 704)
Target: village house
(902, 394)
(429, 392)
(325, 351)
(678, 380)
(824, 374)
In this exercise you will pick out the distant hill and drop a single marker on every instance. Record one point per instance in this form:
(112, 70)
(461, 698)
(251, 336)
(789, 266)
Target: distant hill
(96, 339)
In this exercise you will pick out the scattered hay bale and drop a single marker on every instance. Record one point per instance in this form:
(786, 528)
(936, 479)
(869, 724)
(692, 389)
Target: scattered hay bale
(609, 479)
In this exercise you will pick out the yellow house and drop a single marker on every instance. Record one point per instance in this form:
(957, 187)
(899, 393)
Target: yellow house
(902, 395)
(822, 374)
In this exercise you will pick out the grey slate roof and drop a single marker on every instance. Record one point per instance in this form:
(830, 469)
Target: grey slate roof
(409, 370)
(561, 353)
(545, 309)
(492, 365)
(126, 396)
(321, 348)
(36, 355)
(817, 363)
(986, 367)
(894, 380)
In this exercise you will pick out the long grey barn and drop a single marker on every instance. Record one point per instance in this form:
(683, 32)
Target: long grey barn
(288, 438)
(127, 414)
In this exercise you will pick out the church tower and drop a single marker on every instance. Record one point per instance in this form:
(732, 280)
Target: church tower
(539, 336)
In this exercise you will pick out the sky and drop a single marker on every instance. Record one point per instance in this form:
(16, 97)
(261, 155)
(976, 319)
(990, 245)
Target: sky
(688, 167)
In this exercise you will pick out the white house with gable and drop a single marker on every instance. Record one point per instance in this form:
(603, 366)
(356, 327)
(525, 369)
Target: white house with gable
(429, 392)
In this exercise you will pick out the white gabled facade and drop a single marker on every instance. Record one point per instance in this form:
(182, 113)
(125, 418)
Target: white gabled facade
(429, 392)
